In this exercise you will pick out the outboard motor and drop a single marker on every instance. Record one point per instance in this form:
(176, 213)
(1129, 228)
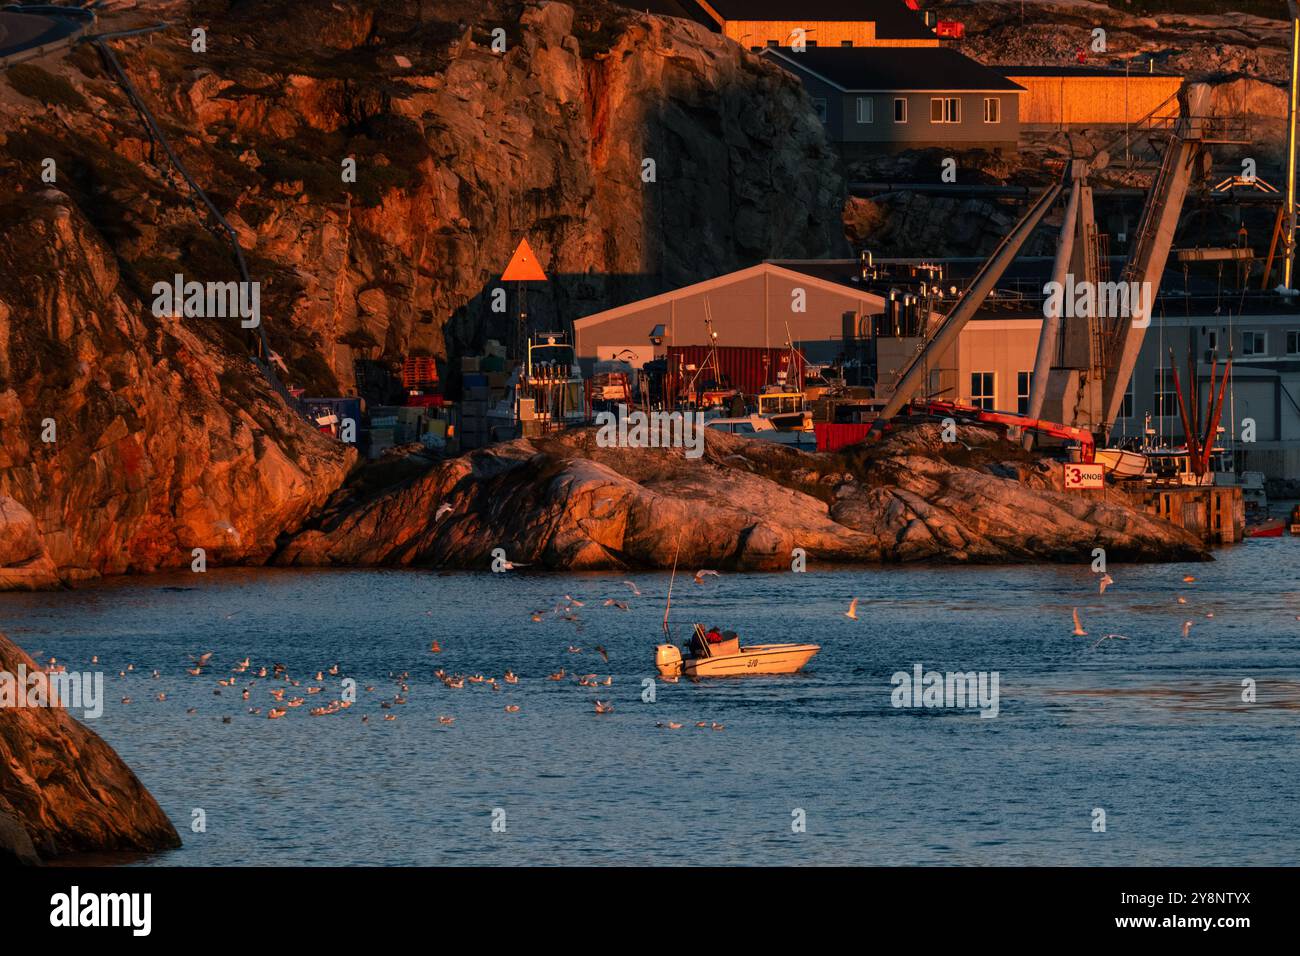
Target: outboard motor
(668, 659)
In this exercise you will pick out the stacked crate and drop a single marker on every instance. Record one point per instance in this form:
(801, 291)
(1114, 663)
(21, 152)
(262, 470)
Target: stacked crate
(475, 397)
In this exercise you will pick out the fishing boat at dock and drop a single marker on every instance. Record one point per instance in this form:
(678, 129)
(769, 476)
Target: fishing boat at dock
(1121, 463)
(1265, 528)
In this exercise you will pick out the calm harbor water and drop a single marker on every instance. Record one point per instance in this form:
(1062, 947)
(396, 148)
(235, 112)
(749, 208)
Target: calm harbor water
(1152, 730)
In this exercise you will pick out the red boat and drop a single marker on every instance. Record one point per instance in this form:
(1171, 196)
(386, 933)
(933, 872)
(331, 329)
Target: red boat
(1268, 528)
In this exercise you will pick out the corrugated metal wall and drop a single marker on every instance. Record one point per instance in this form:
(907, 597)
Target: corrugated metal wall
(745, 368)
(834, 436)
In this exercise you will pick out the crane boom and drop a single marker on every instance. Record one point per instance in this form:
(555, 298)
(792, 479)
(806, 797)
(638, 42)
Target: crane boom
(1155, 237)
(966, 306)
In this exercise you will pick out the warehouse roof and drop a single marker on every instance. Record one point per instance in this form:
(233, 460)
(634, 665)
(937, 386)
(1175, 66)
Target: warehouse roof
(894, 21)
(895, 69)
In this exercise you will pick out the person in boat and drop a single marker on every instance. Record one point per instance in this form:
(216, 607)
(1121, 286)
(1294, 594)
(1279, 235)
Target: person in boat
(714, 636)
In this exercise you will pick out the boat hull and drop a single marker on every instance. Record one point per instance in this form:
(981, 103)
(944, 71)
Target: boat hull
(764, 659)
(1271, 528)
(1121, 463)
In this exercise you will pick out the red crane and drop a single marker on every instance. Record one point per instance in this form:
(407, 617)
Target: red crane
(1087, 443)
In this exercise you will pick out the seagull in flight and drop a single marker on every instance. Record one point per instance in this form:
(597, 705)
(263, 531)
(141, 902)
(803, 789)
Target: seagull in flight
(1078, 625)
(636, 591)
(702, 574)
(1109, 637)
(442, 510)
(1105, 581)
(1187, 626)
(852, 612)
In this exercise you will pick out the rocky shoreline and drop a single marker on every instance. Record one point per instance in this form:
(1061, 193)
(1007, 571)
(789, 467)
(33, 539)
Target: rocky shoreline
(563, 503)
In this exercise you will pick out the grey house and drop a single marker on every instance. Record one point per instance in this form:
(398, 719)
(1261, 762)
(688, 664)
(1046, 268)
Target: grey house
(875, 99)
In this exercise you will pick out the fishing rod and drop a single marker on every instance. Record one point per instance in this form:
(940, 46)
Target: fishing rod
(669, 603)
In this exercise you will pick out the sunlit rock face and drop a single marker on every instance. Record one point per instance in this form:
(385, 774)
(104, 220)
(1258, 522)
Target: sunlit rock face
(744, 505)
(636, 154)
(62, 789)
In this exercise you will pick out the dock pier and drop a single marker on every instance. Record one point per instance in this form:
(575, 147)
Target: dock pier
(1217, 513)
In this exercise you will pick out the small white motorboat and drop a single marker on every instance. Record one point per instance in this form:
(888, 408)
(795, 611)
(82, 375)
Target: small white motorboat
(1120, 463)
(729, 659)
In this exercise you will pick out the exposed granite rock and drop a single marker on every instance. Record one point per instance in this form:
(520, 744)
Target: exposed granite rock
(63, 790)
(24, 563)
(166, 439)
(565, 503)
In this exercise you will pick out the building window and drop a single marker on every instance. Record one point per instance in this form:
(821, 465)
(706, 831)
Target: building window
(1166, 399)
(982, 394)
(900, 110)
(821, 108)
(1253, 343)
(1126, 408)
(1293, 342)
(1212, 340)
(1022, 392)
(992, 109)
(866, 109)
(945, 109)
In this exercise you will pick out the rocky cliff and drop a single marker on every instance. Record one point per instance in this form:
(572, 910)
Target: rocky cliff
(565, 502)
(63, 790)
(636, 153)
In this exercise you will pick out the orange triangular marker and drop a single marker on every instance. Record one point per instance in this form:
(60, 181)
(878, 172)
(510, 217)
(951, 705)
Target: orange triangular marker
(523, 266)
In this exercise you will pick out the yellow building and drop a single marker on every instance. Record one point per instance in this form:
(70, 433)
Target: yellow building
(1057, 96)
(760, 23)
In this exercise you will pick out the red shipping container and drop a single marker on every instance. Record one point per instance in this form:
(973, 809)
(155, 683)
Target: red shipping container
(832, 436)
(953, 29)
(424, 401)
(747, 368)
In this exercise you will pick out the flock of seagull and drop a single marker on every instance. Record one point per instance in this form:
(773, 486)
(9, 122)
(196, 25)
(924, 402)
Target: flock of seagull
(287, 692)
(290, 694)
(1106, 581)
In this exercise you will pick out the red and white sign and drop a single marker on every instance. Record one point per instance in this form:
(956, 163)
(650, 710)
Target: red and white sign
(1078, 475)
